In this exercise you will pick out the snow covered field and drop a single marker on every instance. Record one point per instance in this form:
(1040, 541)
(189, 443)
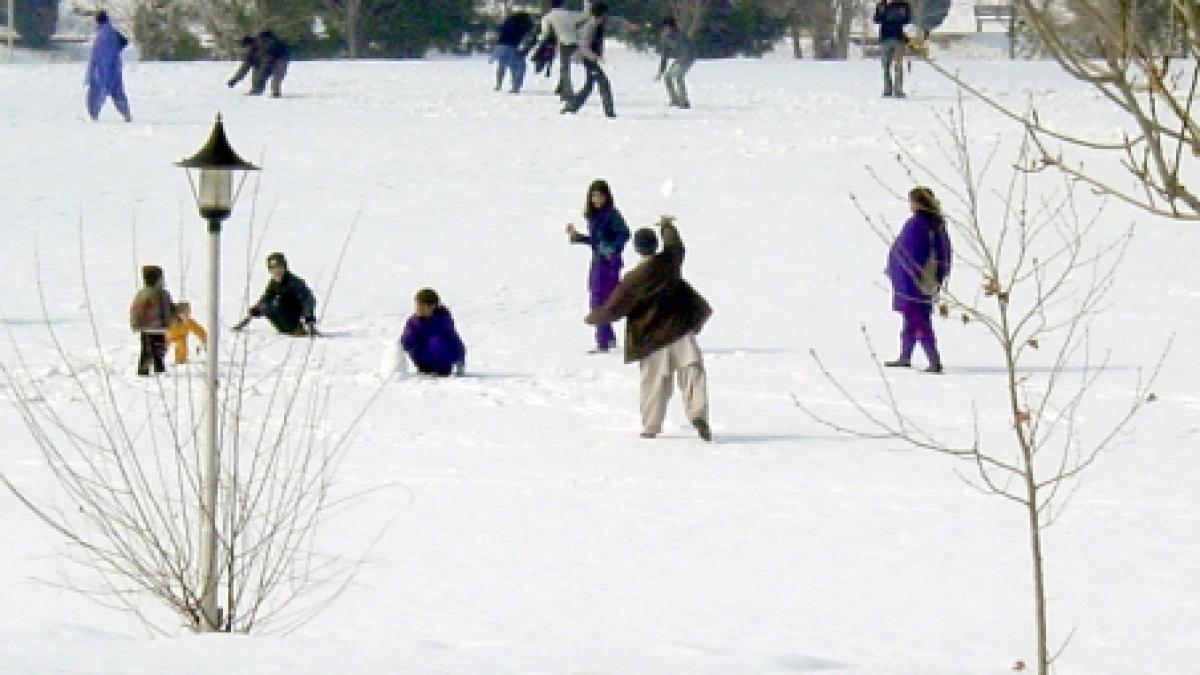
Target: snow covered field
(526, 527)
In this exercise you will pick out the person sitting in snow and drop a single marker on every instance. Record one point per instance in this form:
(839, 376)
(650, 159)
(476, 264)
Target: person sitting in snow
(149, 314)
(178, 329)
(430, 338)
(287, 302)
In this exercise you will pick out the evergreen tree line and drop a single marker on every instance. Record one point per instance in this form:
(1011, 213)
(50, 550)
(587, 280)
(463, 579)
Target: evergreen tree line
(199, 29)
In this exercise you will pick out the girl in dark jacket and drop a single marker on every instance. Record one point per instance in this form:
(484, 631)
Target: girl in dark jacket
(606, 235)
(430, 338)
(918, 264)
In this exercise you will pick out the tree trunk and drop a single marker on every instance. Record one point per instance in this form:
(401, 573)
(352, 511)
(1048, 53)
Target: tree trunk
(794, 29)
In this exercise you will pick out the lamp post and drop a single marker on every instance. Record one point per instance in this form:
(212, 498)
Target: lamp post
(216, 162)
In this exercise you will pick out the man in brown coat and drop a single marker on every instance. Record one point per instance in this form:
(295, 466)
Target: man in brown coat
(662, 315)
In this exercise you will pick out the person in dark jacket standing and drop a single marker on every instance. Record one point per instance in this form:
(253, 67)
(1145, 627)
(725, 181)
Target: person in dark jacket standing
(149, 315)
(663, 314)
(606, 235)
(252, 62)
(591, 51)
(274, 55)
(679, 52)
(287, 302)
(430, 338)
(103, 77)
(892, 16)
(918, 264)
(511, 47)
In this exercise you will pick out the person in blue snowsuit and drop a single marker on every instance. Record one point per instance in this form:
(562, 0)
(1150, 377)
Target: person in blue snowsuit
(430, 338)
(918, 264)
(103, 77)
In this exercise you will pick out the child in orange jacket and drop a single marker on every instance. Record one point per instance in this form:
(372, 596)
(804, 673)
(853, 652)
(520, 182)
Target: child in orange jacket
(179, 328)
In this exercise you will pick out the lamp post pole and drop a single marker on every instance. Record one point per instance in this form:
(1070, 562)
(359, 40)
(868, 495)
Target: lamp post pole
(211, 457)
(216, 162)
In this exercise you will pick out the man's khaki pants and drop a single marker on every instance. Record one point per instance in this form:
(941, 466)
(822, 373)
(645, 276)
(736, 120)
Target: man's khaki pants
(681, 358)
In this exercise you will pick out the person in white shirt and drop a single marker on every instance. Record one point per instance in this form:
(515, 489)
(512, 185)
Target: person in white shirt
(564, 25)
(591, 52)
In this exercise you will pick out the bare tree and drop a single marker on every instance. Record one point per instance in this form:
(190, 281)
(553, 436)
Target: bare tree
(689, 14)
(1037, 280)
(1153, 81)
(828, 21)
(125, 458)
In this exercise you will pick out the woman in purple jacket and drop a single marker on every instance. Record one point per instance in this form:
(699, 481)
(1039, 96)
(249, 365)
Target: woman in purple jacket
(606, 235)
(918, 264)
(430, 338)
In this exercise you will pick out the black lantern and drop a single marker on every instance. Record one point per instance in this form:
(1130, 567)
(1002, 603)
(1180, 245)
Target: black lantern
(216, 162)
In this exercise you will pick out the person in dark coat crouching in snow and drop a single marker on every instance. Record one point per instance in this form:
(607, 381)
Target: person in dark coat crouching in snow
(607, 235)
(287, 302)
(430, 338)
(918, 264)
(149, 315)
(252, 63)
(662, 315)
(103, 77)
(274, 56)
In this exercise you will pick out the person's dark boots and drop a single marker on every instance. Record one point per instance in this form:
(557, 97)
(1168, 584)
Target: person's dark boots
(935, 368)
(702, 429)
(898, 363)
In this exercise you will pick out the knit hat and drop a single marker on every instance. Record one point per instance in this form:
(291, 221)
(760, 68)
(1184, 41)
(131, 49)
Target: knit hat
(151, 274)
(645, 241)
(277, 258)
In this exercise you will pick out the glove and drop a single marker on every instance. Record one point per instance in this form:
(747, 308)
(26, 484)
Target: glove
(231, 84)
(658, 77)
(240, 325)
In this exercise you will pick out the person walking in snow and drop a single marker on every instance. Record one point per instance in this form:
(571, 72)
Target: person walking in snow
(430, 338)
(679, 52)
(562, 24)
(892, 16)
(918, 264)
(511, 47)
(252, 63)
(663, 314)
(287, 302)
(591, 52)
(149, 315)
(103, 77)
(606, 235)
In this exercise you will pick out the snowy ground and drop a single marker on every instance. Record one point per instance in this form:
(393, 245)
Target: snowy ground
(531, 531)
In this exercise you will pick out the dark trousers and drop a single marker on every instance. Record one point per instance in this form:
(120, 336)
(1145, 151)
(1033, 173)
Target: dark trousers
(918, 327)
(564, 90)
(276, 72)
(603, 277)
(287, 323)
(154, 348)
(595, 77)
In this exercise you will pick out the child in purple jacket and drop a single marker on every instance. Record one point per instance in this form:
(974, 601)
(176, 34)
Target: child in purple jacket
(607, 234)
(918, 264)
(430, 338)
